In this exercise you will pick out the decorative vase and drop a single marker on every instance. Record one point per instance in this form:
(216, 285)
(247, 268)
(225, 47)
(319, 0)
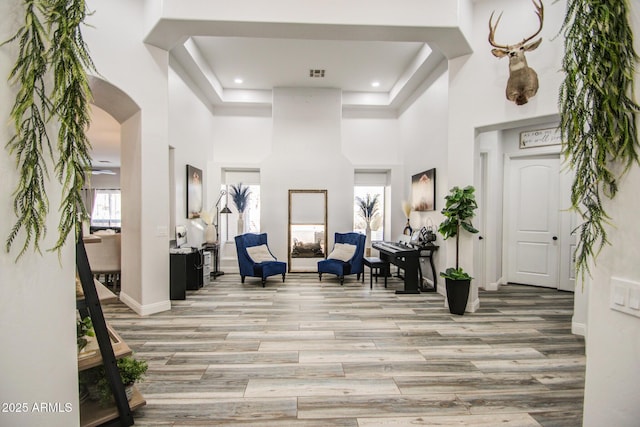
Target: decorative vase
(407, 229)
(240, 223)
(210, 234)
(367, 242)
(457, 295)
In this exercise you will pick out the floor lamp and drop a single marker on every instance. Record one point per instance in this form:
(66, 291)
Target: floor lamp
(216, 254)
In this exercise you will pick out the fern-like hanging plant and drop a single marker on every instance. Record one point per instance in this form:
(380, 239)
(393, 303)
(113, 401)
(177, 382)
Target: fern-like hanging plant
(50, 41)
(29, 115)
(597, 112)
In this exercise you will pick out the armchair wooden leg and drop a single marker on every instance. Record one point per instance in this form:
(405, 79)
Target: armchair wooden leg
(263, 282)
(241, 279)
(283, 277)
(320, 275)
(341, 280)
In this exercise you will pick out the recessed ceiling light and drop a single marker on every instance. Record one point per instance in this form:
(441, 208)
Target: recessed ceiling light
(375, 84)
(238, 80)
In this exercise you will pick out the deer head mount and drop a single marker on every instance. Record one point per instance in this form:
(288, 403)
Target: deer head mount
(523, 80)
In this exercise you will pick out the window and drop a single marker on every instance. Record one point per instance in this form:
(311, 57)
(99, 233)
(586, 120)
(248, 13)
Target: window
(106, 210)
(373, 184)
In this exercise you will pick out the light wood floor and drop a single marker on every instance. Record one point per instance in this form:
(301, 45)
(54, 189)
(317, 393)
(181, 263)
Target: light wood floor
(309, 353)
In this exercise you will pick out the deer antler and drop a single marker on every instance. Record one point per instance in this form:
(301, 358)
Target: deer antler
(540, 12)
(492, 27)
(492, 31)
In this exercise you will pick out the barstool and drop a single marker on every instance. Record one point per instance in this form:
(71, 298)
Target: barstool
(379, 265)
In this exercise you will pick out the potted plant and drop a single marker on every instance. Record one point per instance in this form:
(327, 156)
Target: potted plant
(458, 211)
(95, 381)
(368, 210)
(240, 197)
(84, 329)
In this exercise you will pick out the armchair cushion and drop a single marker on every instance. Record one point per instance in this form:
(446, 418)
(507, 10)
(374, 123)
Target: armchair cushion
(343, 252)
(260, 253)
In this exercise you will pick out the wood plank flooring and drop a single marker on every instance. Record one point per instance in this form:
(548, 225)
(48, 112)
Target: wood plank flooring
(309, 353)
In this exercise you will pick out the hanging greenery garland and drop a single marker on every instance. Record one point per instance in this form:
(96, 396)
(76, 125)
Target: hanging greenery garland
(49, 41)
(71, 98)
(597, 113)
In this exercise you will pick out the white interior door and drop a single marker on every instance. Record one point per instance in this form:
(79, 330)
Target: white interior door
(533, 221)
(568, 239)
(480, 247)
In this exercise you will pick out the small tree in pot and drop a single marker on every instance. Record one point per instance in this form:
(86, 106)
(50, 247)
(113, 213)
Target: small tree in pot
(458, 211)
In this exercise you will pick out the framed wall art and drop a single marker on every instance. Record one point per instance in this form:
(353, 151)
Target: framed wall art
(423, 191)
(307, 229)
(194, 192)
(540, 138)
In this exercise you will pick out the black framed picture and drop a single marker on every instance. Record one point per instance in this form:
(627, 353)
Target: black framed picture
(423, 191)
(194, 192)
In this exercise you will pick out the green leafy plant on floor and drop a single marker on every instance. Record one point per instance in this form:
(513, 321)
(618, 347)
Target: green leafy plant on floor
(50, 41)
(460, 205)
(597, 113)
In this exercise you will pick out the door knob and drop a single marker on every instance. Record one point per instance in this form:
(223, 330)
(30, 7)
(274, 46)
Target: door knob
(480, 238)
(555, 237)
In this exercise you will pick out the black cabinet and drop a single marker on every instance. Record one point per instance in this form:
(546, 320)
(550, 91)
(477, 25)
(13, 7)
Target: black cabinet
(186, 273)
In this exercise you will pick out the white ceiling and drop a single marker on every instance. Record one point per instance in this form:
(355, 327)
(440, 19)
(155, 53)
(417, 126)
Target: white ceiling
(265, 63)
(401, 61)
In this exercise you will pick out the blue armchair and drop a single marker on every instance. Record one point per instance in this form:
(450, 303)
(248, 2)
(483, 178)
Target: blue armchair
(255, 259)
(339, 262)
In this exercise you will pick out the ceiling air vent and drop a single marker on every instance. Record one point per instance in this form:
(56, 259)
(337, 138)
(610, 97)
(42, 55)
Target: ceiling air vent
(316, 73)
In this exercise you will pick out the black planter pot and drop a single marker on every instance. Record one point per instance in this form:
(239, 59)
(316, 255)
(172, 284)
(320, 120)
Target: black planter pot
(457, 295)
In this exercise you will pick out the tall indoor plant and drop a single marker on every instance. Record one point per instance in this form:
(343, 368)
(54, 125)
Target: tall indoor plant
(368, 210)
(458, 211)
(240, 196)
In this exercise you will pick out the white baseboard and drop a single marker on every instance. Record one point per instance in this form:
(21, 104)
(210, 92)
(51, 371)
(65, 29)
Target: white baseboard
(145, 310)
(579, 329)
(491, 286)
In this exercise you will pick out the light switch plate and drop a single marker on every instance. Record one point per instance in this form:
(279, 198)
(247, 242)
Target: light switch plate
(634, 299)
(625, 296)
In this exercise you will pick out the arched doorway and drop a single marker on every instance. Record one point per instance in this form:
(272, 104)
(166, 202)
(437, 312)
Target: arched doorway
(126, 112)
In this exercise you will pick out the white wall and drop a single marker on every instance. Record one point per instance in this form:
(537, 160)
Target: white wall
(424, 128)
(37, 307)
(375, 144)
(115, 43)
(612, 389)
(476, 93)
(306, 155)
(190, 130)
